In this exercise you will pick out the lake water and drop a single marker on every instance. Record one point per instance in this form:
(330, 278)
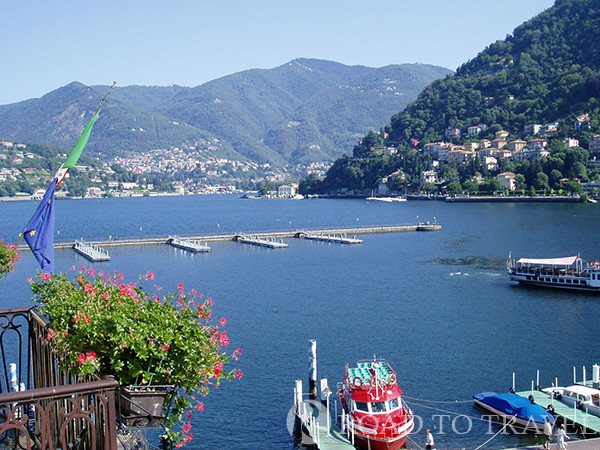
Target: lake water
(438, 306)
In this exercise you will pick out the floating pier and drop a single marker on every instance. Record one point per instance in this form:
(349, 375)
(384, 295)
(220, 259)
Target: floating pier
(262, 235)
(188, 244)
(260, 241)
(312, 418)
(340, 239)
(91, 252)
(578, 419)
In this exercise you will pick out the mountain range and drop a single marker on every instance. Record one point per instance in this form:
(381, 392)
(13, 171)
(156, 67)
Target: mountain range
(304, 111)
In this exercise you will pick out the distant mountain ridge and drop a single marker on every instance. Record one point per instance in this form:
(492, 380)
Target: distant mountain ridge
(303, 111)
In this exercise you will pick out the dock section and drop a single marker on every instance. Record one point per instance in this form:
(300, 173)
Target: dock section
(189, 245)
(260, 241)
(578, 420)
(90, 251)
(339, 239)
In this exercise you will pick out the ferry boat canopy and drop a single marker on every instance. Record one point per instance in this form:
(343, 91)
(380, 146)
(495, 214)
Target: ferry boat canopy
(566, 261)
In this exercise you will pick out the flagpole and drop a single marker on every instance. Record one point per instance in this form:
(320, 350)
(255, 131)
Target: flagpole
(105, 97)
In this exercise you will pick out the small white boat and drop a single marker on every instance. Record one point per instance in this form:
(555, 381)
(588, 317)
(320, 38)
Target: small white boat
(387, 199)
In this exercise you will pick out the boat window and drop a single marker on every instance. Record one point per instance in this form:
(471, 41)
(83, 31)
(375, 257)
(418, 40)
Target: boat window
(361, 406)
(378, 406)
(394, 403)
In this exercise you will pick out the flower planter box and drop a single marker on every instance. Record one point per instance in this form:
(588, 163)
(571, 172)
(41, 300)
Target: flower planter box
(143, 405)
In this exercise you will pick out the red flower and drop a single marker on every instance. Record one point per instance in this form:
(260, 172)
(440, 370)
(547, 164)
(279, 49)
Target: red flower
(239, 374)
(218, 368)
(223, 321)
(45, 276)
(223, 339)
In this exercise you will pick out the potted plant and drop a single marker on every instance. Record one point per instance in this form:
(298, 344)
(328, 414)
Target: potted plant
(8, 258)
(102, 325)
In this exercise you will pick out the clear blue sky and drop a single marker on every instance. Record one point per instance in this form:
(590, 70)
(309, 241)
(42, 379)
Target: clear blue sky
(47, 44)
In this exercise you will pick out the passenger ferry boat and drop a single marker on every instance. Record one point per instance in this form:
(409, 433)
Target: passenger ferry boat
(372, 400)
(570, 272)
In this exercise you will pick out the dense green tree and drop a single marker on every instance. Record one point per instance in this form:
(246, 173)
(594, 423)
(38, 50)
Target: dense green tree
(572, 187)
(471, 187)
(454, 188)
(541, 181)
(310, 185)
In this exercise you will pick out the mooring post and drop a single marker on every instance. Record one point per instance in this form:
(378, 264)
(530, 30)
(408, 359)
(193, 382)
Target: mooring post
(595, 376)
(325, 393)
(312, 369)
(298, 395)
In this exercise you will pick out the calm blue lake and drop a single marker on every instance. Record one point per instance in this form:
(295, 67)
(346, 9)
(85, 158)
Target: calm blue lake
(438, 306)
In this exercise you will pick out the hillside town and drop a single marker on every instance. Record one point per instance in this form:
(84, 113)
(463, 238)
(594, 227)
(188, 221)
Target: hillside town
(493, 154)
(192, 171)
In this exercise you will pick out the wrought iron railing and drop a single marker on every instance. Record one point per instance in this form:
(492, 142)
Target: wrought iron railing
(41, 406)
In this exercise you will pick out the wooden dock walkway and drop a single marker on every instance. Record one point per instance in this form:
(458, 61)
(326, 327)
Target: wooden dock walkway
(90, 251)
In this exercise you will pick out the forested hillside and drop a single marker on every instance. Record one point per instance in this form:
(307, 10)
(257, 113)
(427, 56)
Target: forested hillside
(548, 70)
(547, 74)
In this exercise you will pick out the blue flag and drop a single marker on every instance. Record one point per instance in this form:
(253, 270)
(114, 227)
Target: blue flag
(39, 231)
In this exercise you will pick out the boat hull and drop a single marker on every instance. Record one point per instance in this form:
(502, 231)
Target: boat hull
(365, 442)
(560, 283)
(527, 424)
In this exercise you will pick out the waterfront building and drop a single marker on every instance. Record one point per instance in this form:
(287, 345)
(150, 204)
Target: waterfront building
(507, 180)
(287, 190)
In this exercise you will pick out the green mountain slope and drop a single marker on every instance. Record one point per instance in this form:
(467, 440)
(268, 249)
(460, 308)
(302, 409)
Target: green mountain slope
(245, 112)
(327, 123)
(547, 71)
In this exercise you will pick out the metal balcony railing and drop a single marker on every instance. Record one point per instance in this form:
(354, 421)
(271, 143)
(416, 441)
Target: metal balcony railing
(41, 406)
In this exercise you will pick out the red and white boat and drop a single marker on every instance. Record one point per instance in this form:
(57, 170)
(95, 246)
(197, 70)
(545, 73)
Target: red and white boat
(372, 400)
